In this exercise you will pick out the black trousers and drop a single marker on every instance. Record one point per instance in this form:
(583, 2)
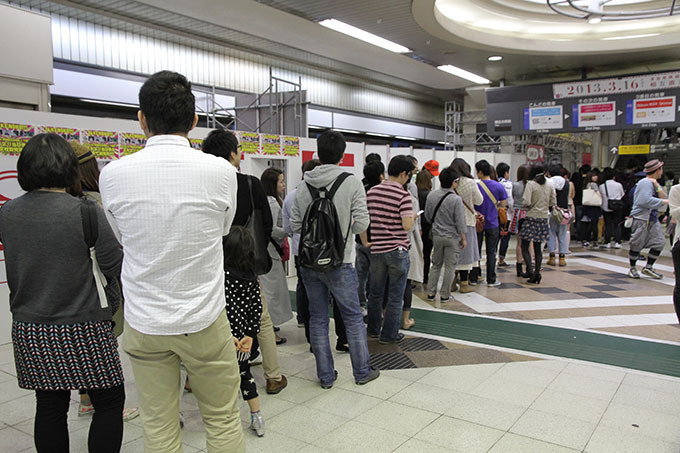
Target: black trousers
(106, 428)
(675, 251)
(492, 236)
(427, 252)
(612, 226)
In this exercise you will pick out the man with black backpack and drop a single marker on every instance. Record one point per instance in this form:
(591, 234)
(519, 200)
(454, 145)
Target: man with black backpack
(330, 207)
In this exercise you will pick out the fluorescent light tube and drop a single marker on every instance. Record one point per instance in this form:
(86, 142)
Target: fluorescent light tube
(363, 35)
(347, 131)
(120, 104)
(614, 38)
(375, 134)
(463, 74)
(405, 138)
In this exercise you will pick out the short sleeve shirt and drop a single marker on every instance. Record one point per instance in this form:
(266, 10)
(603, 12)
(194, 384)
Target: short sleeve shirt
(388, 203)
(488, 207)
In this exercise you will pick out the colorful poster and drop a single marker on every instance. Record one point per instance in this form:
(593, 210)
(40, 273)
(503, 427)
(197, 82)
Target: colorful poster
(250, 142)
(271, 144)
(537, 118)
(103, 144)
(67, 133)
(594, 115)
(535, 153)
(634, 149)
(196, 143)
(291, 146)
(655, 110)
(131, 143)
(13, 137)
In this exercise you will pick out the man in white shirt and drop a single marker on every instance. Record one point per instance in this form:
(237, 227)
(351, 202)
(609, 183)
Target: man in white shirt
(170, 205)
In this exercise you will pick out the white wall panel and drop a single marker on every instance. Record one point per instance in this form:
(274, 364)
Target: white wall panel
(82, 42)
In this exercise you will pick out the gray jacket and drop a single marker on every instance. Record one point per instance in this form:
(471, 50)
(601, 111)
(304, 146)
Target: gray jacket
(450, 219)
(644, 200)
(349, 201)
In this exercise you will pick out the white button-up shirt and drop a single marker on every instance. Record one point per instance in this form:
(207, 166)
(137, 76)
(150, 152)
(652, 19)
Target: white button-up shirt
(170, 205)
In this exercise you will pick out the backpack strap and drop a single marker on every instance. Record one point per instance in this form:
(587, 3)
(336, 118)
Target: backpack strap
(336, 185)
(252, 203)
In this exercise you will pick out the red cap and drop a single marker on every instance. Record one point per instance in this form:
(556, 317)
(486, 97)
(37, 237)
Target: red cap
(432, 166)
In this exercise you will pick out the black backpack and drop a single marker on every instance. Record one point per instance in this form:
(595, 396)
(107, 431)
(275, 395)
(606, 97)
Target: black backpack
(322, 246)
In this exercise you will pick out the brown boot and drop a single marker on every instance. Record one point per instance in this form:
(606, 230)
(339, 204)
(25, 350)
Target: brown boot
(274, 386)
(406, 321)
(466, 288)
(563, 261)
(551, 260)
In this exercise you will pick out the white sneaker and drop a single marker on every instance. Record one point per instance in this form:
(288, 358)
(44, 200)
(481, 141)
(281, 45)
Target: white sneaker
(257, 423)
(633, 273)
(606, 246)
(651, 273)
(617, 245)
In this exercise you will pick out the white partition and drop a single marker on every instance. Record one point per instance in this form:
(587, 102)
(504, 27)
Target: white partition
(423, 155)
(401, 151)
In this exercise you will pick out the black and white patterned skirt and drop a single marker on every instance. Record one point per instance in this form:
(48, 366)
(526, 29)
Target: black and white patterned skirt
(66, 357)
(534, 229)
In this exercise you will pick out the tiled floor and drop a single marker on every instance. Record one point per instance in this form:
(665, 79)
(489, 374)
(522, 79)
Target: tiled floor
(454, 395)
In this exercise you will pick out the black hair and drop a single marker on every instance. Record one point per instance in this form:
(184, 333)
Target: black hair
(270, 179)
(523, 173)
(483, 167)
(447, 176)
(220, 143)
(399, 164)
(501, 169)
(239, 250)
(372, 172)
(632, 163)
(168, 104)
(555, 169)
(584, 169)
(310, 165)
(462, 167)
(331, 147)
(606, 175)
(537, 173)
(373, 157)
(47, 160)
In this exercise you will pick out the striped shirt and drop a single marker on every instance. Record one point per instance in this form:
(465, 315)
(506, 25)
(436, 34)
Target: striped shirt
(388, 203)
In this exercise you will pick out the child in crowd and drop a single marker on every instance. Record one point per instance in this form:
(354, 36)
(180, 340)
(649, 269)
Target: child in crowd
(244, 309)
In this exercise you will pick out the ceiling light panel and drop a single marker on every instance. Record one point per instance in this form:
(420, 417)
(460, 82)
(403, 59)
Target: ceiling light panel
(363, 35)
(463, 74)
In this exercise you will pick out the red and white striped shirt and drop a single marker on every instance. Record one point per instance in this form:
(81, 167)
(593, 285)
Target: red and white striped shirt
(388, 203)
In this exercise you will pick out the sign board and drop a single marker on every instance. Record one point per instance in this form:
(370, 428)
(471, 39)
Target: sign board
(632, 102)
(634, 149)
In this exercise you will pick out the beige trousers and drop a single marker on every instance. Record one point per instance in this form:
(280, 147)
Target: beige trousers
(209, 357)
(267, 340)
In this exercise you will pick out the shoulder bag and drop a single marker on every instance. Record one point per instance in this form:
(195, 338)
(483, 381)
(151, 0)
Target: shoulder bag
(479, 218)
(255, 225)
(614, 205)
(591, 197)
(502, 213)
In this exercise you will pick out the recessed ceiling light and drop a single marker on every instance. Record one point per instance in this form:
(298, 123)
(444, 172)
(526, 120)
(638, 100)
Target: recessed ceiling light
(595, 20)
(363, 35)
(495, 58)
(463, 74)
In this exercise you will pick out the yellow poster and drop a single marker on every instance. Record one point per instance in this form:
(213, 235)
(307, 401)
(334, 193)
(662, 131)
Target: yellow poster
(271, 144)
(13, 137)
(103, 144)
(196, 143)
(291, 146)
(250, 142)
(634, 149)
(131, 143)
(68, 133)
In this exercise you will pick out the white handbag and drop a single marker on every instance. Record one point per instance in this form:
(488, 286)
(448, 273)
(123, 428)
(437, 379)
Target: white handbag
(591, 197)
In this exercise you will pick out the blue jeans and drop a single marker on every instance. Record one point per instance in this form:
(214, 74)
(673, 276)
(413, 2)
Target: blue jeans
(558, 232)
(363, 265)
(393, 265)
(342, 284)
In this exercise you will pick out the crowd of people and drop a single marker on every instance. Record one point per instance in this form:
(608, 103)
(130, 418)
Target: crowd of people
(199, 251)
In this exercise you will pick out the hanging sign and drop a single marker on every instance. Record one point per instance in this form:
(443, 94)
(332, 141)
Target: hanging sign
(67, 133)
(634, 149)
(13, 137)
(271, 144)
(291, 146)
(196, 143)
(250, 142)
(103, 144)
(130, 143)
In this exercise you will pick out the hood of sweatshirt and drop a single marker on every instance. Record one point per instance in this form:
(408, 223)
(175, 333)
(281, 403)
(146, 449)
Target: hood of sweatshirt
(558, 182)
(323, 175)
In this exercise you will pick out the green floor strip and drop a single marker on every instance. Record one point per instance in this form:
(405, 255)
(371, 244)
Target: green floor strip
(574, 344)
(613, 350)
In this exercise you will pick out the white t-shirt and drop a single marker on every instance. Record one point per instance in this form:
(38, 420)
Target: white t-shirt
(615, 190)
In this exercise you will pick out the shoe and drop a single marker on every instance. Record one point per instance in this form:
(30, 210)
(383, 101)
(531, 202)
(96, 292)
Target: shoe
(562, 262)
(605, 246)
(465, 288)
(330, 385)
(373, 335)
(274, 386)
(633, 273)
(551, 260)
(617, 245)
(372, 375)
(340, 347)
(454, 288)
(593, 246)
(585, 244)
(400, 336)
(181, 420)
(281, 341)
(472, 282)
(519, 269)
(85, 409)
(257, 423)
(493, 284)
(444, 299)
(130, 413)
(536, 278)
(276, 329)
(431, 296)
(648, 271)
(502, 263)
(364, 311)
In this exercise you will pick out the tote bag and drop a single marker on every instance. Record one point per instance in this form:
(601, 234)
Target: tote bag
(592, 197)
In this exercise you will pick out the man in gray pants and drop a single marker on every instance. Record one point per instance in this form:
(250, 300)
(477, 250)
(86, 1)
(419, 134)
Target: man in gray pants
(444, 210)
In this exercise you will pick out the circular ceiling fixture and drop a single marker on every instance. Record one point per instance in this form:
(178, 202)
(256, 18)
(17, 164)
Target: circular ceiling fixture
(596, 11)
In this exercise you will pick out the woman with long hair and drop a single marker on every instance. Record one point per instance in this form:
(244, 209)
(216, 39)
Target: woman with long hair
(469, 192)
(538, 198)
(274, 283)
(424, 185)
(520, 213)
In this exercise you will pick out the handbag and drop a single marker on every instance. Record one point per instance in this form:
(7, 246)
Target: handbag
(614, 205)
(560, 215)
(108, 290)
(479, 218)
(255, 226)
(592, 197)
(502, 213)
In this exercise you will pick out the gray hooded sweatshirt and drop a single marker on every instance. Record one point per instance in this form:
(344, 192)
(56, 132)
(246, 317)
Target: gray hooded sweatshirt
(349, 201)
